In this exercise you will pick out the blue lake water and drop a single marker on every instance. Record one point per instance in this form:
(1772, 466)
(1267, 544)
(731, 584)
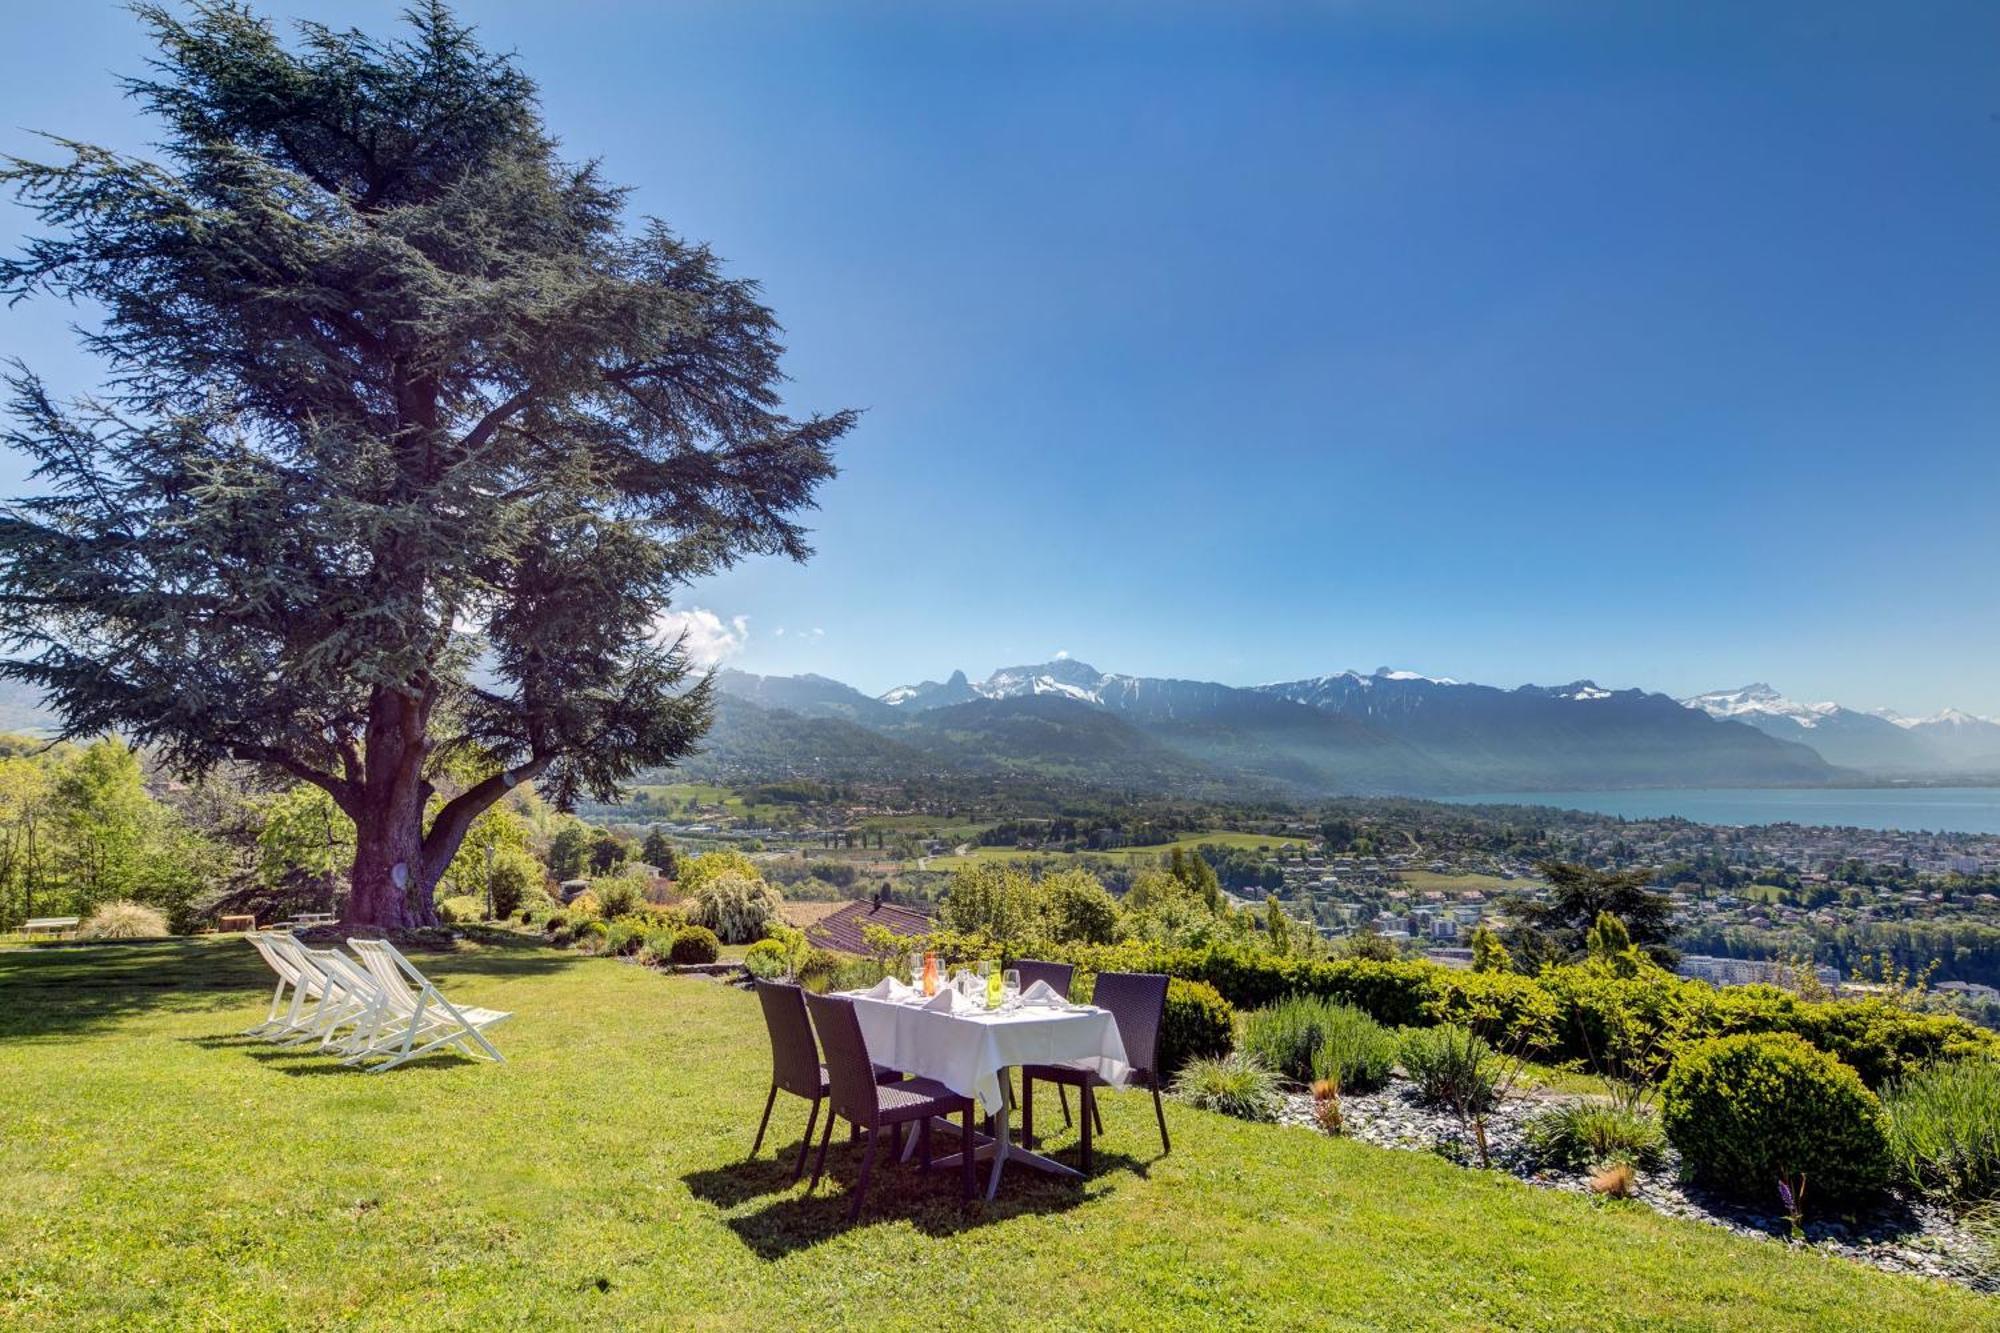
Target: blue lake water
(1940, 809)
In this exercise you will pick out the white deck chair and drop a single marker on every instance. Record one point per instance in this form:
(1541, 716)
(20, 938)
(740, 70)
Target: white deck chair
(417, 1019)
(281, 1014)
(350, 1000)
(313, 998)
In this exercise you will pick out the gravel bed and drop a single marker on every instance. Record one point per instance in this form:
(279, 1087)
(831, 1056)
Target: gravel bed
(1901, 1237)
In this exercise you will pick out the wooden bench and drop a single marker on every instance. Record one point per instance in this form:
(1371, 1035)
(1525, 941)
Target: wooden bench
(50, 925)
(236, 923)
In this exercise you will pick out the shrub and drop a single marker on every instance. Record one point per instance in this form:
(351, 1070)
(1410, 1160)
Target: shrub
(738, 908)
(1199, 1024)
(1582, 1135)
(1305, 1038)
(585, 904)
(818, 968)
(516, 877)
(1944, 1130)
(1356, 1052)
(1749, 1110)
(696, 944)
(626, 936)
(1452, 1066)
(1287, 1035)
(590, 935)
(122, 919)
(557, 921)
(658, 949)
(461, 909)
(767, 959)
(1235, 1084)
(619, 895)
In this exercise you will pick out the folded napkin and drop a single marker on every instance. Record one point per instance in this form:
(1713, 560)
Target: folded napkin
(1041, 995)
(944, 1002)
(889, 988)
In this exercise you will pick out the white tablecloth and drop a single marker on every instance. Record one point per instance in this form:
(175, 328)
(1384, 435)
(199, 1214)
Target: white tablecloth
(966, 1051)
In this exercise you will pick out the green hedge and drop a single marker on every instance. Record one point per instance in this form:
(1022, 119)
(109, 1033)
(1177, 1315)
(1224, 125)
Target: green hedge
(1566, 1013)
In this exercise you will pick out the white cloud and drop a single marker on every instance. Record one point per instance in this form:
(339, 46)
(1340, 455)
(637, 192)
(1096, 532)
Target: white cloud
(708, 639)
(1062, 654)
(815, 633)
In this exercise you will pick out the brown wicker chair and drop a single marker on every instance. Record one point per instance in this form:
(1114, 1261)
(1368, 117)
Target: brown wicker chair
(795, 1065)
(876, 1107)
(1059, 976)
(1138, 1004)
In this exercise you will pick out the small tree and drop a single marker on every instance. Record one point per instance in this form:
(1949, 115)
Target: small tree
(394, 391)
(658, 853)
(1277, 927)
(1488, 953)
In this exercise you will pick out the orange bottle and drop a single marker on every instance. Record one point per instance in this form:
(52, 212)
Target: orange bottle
(930, 973)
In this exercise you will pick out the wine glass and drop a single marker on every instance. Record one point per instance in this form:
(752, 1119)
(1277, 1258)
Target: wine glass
(1010, 983)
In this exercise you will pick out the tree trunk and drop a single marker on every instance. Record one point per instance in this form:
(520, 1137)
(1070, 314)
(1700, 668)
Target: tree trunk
(390, 888)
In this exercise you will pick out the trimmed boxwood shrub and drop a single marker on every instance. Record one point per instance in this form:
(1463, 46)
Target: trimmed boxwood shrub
(766, 959)
(1750, 1110)
(590, 936)
(696, 944)
(1199, 1024)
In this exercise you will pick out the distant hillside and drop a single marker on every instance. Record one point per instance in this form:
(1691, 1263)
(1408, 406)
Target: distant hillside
(1386, 733)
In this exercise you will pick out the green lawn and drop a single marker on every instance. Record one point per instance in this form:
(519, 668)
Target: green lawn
(160, 1172)
(1425, 881)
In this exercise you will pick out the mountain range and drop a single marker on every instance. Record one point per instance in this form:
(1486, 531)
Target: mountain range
(1386, 732)
(1877, 742)
(1381, 733)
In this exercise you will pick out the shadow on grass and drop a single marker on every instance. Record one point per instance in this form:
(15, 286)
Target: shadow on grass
(308, 1059)
(70, 989)
(929, 1200)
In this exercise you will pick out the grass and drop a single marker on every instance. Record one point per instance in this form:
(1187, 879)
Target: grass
(162, 1173)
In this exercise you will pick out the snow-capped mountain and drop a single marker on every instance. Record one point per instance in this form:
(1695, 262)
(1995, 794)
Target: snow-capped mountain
(1387, 730)
(1960, 741)
(1763, 701)
(1879, 741)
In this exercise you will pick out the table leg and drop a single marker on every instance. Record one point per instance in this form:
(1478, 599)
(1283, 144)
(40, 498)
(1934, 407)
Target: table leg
(1004, 1149)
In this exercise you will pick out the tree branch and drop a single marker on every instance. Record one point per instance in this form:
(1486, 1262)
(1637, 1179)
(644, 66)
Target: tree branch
(448, 829)
(483, 430)
(341, 792)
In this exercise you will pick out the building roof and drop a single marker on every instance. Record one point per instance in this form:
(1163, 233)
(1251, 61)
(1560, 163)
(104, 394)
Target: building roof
(841, 930)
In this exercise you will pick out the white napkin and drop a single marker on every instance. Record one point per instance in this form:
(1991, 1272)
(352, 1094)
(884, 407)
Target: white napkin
(889, 988)
(1041, 995)
(944, 1002)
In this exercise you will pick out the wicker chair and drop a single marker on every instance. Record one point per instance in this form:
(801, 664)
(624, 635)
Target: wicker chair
(1138, 1004)
(875, 1107)
(795, 1065)
(1059, 976)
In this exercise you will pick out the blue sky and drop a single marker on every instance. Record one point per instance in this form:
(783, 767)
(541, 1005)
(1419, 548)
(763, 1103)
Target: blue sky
(1656, 344)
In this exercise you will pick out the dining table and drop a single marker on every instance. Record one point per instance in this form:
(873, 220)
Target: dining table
(969, 1047)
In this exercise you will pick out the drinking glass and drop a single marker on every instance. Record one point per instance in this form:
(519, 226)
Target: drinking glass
(916, 968)
(1010, 982)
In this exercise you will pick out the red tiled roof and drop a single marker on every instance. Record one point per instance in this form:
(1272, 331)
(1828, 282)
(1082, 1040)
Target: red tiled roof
(841, 930)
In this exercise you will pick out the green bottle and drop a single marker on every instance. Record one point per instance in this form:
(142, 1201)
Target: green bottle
(994, 984)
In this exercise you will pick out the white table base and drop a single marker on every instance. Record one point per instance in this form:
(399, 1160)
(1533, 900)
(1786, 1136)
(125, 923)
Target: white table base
(999, 1147)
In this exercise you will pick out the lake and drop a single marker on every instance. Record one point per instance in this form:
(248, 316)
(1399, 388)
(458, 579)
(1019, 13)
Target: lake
(1947, 809)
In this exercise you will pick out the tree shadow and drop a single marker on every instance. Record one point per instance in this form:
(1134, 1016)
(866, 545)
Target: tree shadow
(58, 991)
(794, 1220)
